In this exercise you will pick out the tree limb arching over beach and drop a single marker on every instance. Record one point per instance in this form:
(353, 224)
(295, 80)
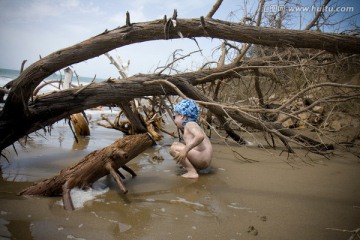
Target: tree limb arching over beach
(259, 102)
(35, 113)
(23, 113)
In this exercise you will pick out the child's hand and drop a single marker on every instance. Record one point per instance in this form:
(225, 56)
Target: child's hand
(181, 156)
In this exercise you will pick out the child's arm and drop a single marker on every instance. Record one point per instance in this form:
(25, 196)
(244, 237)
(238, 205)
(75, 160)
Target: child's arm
(194, 130)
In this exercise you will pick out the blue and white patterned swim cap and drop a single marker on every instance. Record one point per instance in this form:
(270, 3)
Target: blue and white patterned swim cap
(187, 108)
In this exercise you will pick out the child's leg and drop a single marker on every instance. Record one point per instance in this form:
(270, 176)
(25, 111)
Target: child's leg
(175, 148)
(191, 171)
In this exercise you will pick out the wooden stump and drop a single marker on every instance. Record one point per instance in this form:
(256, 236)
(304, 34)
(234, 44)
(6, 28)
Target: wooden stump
(80, 125)
(93, 166)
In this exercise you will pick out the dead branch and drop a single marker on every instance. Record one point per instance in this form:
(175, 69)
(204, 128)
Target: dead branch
(169, 84)
(50, 82)
(93, 166)
(317, 16)
(214, 9)
(19, 108)
(103, 43)
(175, 59)
(326, 84)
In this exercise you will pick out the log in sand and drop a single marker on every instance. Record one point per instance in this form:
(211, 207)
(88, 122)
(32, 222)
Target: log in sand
(92, 167)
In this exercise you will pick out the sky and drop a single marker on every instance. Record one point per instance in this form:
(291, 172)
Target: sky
(33, 28)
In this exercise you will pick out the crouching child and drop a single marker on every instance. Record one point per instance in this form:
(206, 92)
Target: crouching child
(196, 151)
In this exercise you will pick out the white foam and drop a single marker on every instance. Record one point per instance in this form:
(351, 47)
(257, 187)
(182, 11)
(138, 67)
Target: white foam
(183, 200)
(236, 206)
(250, 144)
(239, 208)
(79, 197)
(4, 80)
(73, 237)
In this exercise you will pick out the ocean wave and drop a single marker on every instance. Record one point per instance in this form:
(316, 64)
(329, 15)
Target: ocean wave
(4, 80)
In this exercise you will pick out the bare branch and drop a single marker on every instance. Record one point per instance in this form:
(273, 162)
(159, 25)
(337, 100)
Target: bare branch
(169, 84)
(327, 84)
(22, 66)
(214, 9)
(317, 16)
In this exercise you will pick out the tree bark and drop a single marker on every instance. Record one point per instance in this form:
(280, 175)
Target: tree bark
(137, 125)
(45, 110)
(21, 115)
(154, 30)
(95, 165)
(249, 121)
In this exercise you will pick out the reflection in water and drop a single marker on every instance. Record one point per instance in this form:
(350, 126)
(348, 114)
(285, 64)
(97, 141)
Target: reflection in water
(19, 229)
(81, 144)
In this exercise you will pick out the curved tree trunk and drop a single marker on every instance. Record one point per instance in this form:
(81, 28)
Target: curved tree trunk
(50, 108)
(22, 115)
(147, 31)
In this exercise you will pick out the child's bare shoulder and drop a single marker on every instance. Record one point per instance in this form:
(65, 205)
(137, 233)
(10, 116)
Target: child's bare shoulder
(193, 128)
(192, 125)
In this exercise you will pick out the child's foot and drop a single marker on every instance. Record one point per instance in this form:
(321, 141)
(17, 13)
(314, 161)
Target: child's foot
(192, 175)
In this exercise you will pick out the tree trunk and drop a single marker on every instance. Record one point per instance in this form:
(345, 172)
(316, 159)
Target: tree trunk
(50, 108)
(23, 115)
(95, 165)
(154, 30)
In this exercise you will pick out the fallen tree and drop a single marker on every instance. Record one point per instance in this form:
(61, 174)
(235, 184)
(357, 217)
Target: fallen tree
(23, 114)
(162, 29)
(93, 166)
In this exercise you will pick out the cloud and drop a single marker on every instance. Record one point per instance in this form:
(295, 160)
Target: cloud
(146, 10)
(26, 35)
(41, 10)
(76, 29)
(69, 3)
(136, 15)
(14, 11)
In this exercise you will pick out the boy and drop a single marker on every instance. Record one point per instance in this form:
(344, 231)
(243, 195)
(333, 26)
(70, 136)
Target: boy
(197, 151)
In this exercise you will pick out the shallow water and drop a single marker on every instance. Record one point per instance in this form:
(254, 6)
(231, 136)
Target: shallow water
(275, 198)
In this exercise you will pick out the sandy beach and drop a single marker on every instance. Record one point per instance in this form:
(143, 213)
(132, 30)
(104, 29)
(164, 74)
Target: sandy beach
(276, 196)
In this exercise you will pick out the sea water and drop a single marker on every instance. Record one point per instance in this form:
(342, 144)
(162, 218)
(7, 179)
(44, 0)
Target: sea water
(79, 196)
(7, 75)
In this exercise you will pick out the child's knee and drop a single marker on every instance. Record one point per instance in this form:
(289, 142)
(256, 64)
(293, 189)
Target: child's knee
(172, 150)
(175, 145)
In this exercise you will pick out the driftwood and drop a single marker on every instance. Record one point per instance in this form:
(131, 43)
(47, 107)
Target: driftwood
(93, 166)
(80, 125)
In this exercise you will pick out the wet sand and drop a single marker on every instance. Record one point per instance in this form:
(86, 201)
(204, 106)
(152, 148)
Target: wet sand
(300, 197)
